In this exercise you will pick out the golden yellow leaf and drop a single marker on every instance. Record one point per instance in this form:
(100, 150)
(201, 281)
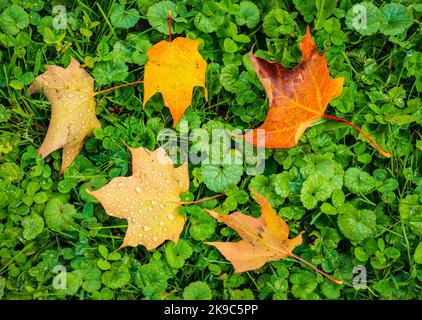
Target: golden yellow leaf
(149, 199)
(263, 239)
(174, 69)
(70, 92)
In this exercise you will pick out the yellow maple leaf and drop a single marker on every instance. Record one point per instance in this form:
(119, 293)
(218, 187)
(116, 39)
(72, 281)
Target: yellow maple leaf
(149, 199)
(70, 92)
(174, 69)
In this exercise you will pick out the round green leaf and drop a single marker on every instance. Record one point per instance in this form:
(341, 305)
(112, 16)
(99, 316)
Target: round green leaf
(158, 15)
(410, 211)
(176, 254)
(32, 226)
(395, 19)
(357, 225)
(364, 17)
(207, 24)
(218, 177)
(13, 19)
(281, 184)
(228, 77)
(106, 72)
(197, 291)
(59, 215)
(117, 277)
(248, 14)
(418, 253)
(315, 188)
(122, 18)
(152, 279)
(358, 181)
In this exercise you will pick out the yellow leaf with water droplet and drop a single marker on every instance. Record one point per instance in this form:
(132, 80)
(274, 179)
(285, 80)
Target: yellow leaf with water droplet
(70, 92)
(149, 199)
(174, 69)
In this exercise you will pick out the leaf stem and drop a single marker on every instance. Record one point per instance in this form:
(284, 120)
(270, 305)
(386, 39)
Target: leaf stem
(169, 23)
(119, 86)
(204, 199)
(316, 269)
(376, 146)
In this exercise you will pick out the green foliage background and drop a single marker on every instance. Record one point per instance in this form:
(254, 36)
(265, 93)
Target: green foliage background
(355, 206)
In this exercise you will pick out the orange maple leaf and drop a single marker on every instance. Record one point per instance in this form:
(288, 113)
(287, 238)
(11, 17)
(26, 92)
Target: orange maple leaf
(71, 94)
(297, 97)
(263, 239)
(174, 68)
(149, 199)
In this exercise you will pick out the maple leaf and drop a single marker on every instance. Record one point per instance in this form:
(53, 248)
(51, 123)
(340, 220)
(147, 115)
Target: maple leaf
(263, 239)
(297, 97)
(70, 92)
(149, 199)
(174, 68)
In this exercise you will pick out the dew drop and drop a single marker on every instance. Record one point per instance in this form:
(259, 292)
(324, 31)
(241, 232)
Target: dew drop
(153, 202)
(138, 189)
(161, 223)
(149, 208)
(155, 239)
(171, 217)
(147, 228)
